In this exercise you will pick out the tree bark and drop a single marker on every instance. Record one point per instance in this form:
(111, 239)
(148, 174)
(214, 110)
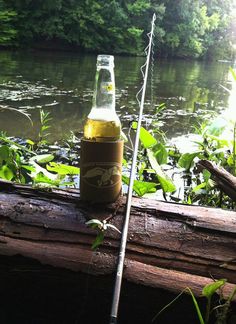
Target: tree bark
(170, 246)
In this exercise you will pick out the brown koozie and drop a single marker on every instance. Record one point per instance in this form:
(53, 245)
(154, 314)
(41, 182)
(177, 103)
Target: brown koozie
(101, 170)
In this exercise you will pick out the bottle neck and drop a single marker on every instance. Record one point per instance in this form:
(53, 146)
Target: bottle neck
(104, 93)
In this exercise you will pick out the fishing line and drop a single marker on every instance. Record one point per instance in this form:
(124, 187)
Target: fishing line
(152, 75)
(121, 257)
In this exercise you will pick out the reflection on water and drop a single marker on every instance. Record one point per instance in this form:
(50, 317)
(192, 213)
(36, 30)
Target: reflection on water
(230, 112)
(62, 83)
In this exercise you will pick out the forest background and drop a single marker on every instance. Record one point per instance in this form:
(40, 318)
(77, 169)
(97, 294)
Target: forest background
(184, 28)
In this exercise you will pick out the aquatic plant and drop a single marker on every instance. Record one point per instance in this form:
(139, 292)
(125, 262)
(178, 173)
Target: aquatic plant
(26, 162)
(216, 143)
(150, 175)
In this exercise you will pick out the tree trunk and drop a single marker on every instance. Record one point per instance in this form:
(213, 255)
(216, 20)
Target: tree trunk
(170, 246)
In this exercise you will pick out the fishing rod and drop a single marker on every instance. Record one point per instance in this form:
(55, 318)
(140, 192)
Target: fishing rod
(121, 257)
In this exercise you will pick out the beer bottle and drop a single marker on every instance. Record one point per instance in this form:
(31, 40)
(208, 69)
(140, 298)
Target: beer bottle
(103, 123)
(101, 146)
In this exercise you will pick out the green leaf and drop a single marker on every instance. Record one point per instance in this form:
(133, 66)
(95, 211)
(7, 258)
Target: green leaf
(211, 288)
(41, 178)
(39, 169)
(95, 223)
(4, 153)
(98, 241)
(14, 144)
(166, 183)
(230, 160)
(28, 141)
(124, 162)
(161, 153)
(233, 72)
(186, 160)
(160, 108)
(218, 152)
(217, 126)
(199, 187)
(206, 175)
(200, 317)
(42, 158)
(189, 200)
(45, 127)
(145, 137)
(220, 141)
(62, 169)
(28, 168)
(6, 173)
(113, 227)
(141, 187)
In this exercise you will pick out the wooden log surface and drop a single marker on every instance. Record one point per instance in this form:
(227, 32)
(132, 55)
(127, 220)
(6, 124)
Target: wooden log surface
(170, 246)
(224, 180)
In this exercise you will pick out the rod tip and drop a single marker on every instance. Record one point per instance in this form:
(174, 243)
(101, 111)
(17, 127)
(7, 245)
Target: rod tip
(113, 320)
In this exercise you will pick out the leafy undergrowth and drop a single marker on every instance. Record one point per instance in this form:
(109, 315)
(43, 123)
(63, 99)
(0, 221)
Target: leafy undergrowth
(217, 310)
(40, 163)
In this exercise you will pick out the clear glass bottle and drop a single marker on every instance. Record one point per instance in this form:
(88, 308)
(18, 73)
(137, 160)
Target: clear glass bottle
(102, 123)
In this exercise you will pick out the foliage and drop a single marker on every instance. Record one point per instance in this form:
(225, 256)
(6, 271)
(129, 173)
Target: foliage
(44, 122)
(20, 164)
(220, 40)
(89, 24)
(146, 138)
(213, 146)
(220, 312)
(101, 227)
(187, 29)
(10, 163)
(141, 187)
(8, 32)
(152, 154)
(194, 27)
(216, 143)
(23, 163)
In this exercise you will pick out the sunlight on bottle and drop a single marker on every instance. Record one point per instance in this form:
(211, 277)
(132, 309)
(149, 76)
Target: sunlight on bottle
(103, 123)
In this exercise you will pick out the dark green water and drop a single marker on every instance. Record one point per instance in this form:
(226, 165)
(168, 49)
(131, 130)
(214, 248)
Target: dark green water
(62, 83)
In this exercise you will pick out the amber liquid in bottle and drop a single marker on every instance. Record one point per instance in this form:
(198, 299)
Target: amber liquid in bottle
(102, 130)
(103, 123)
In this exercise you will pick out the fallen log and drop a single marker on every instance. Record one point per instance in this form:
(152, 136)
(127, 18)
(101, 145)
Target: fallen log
(224, 180)
(170, 246)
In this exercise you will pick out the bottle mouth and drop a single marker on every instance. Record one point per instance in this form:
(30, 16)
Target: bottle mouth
(104, 60)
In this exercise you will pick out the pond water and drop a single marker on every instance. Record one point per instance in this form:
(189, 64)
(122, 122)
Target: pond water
(62, 83)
